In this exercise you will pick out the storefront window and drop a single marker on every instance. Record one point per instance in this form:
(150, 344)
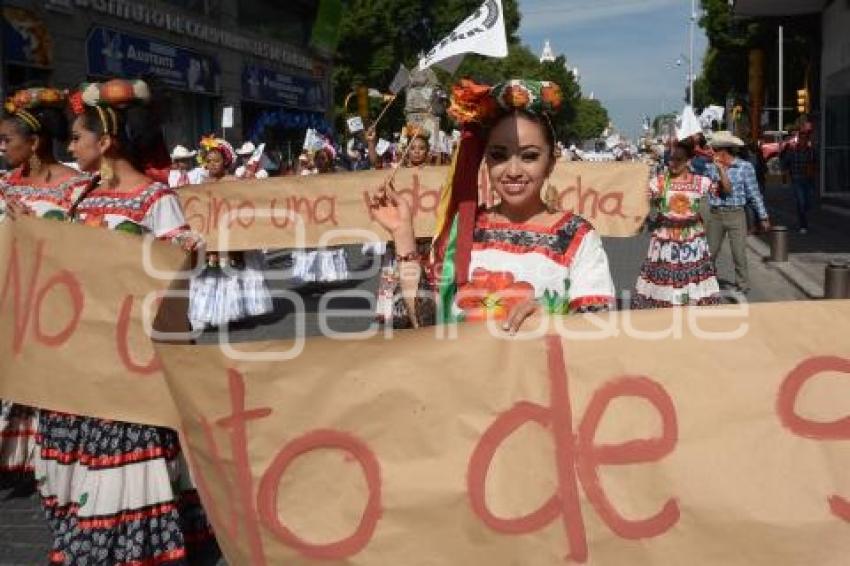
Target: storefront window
(837, 145)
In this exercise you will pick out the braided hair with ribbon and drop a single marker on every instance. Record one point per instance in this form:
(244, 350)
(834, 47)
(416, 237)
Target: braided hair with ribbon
(38, 114)
(122, 110)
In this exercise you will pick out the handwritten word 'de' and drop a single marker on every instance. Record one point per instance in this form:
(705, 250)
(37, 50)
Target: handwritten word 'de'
(578, 458)
(263, 510)
(791, 419)
(208, 215)
(28, 300)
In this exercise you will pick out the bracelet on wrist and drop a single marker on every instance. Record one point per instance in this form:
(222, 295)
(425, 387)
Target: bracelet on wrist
(412, 257)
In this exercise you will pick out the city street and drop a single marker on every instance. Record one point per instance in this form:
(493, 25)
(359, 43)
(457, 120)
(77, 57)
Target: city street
(24, 538)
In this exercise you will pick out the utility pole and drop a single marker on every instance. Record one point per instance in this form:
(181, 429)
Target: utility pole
(691, 60)
(781, 81)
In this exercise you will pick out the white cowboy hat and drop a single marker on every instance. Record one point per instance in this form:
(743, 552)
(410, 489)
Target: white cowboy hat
(725, 139)
(246, 149)
(181, 152)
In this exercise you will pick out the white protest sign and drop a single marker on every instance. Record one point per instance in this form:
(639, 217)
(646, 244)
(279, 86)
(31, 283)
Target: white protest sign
(227, 117)
(355, 124)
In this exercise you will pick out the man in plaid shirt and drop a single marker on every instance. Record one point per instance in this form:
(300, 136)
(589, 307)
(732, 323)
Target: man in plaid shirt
(798, 161)
(737, 185)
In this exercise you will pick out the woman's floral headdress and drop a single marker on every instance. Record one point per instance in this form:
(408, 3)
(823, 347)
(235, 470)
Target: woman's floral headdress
(23, 101)
(212, 143)
(476, 107)
(412, 130)
(472, 103)
(106, 96)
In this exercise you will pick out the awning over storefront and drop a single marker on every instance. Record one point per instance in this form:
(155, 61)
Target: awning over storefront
(114, 53)
(282, 118)
(268, 86)
(778, 7)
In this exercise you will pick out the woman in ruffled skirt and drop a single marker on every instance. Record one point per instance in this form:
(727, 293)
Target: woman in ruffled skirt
(117, 492)
(678, 269)
(232, 286)
(34, 120)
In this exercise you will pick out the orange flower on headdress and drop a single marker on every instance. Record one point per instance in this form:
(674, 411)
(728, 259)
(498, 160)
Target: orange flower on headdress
(116, 92)
(551, 95)
(471, 102)
(75, 101)
(516, 96)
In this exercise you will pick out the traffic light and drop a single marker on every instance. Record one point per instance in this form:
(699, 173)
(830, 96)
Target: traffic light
(803, 101)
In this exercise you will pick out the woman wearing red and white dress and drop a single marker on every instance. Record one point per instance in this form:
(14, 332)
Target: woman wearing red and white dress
(117, 492)
(38, 185)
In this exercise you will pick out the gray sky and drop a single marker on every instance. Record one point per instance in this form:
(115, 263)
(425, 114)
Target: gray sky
(626, 50)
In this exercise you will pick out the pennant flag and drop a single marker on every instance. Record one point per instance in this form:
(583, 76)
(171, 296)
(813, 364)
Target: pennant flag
(382, 147)
(483, 32)
(313, 141)
(400, 80)
(711, 114)
(688, 125)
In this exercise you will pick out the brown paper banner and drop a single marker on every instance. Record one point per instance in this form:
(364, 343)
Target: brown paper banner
(332, 209)
(71, 325)
(687, 449)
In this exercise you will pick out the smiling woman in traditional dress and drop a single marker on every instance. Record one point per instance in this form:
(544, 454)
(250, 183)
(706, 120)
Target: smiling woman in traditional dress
(33, 122)
(117, 492)
(519, 257)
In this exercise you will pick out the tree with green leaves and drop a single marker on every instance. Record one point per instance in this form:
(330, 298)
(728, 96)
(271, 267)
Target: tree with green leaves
(379, 35)
(730, 39)
(591, 120)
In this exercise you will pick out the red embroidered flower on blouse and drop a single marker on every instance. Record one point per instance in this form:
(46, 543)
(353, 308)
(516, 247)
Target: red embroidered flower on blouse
(492, 295)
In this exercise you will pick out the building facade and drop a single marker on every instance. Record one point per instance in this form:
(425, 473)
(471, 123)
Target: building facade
(832, 88)
(203, 56)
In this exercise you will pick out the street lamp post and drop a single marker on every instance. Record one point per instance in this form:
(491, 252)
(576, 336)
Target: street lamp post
(691, 58)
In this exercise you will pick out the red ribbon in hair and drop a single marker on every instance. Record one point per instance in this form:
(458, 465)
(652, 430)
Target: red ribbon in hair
(464, 201)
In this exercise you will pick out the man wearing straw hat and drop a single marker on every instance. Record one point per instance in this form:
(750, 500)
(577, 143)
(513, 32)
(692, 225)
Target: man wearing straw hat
(183, 173)
(736, 186)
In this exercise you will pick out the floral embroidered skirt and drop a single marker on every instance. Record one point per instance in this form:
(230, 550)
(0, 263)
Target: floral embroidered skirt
(17, 442)
(118, 493)
(676, 272)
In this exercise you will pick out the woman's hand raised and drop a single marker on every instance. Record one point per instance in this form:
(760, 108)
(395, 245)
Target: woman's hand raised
(392, 211)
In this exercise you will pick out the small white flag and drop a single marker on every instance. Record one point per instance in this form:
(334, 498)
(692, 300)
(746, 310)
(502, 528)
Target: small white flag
(355, 124)
(688, 124)
(711, 114)
(483, 32)
(313, 141)
(382, 146)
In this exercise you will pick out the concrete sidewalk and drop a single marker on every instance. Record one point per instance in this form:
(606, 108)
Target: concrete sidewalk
(828, 239)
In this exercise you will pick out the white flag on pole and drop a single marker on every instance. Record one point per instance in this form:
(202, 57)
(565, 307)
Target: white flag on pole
(711, 114)
(689, 125)
(483, 32)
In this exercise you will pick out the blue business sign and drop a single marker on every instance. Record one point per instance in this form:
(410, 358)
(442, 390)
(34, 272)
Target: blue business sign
(114, 53)
(281, 89)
